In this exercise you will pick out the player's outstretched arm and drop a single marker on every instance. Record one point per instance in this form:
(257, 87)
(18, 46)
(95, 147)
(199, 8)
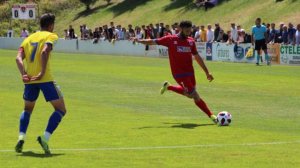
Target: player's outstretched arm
(44, 60)
(145, 41)
(203, 66)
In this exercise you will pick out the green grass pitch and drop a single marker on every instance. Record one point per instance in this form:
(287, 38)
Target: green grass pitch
(116, 117)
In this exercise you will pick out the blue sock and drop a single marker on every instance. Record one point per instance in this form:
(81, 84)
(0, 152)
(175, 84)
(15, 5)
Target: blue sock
(54, 120)
(267, 57)
(24, 121)
(258, 58)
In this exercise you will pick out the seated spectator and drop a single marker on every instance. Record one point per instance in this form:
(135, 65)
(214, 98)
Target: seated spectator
(24, 33)
(131, 31)
(229, 40)
(297, 35)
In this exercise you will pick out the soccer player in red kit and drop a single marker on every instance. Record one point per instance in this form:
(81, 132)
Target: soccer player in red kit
(182, 48)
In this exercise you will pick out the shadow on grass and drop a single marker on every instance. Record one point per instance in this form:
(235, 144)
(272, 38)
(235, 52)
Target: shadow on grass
(89, 12)
(178, 125)
(187, 4)
(127, 5)
(38, 155)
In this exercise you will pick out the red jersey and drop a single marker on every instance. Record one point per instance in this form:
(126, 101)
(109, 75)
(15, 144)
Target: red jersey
(181, 53)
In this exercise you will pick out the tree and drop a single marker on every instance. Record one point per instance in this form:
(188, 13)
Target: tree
(108, 1)
(88, 3)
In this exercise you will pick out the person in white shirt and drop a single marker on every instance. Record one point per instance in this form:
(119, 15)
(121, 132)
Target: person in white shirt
(10, 33)
(210, 34)
(297, 35)
(234, 33)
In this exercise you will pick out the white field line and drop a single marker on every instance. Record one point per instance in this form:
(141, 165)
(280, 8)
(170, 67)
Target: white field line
(162, 147)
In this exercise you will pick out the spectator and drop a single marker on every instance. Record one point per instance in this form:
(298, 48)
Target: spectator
(131, 31)
(203, 34)
(156, 31)
(234, 33)
(161, 30)
(285, 35)
(297, 35)
(151, 28)
(229, 40)
(168, 29)
(10, 33)
(241, 36)
(24, 33)
(71, 32)
(291, 34)
(222, 37)
(106, 33)
(121, 34)
(139, 33)
(90, 34)
(217, 31)
(272, 34)
(195, 29)
(111, 31)
(210, 34)
(66, 34)
(278, 38)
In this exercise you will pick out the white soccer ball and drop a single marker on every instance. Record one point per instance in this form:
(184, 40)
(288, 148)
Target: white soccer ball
(224, 118)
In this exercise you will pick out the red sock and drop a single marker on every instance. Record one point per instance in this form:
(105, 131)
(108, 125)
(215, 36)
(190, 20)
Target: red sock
(178, 89)
(202, 105)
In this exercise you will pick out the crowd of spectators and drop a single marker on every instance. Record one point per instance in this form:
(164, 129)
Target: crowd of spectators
(285, 34)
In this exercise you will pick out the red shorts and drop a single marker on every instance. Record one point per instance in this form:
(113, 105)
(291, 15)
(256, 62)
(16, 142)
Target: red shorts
(188, 83)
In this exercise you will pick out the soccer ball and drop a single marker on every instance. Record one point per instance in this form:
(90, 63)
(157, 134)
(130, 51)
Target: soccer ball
(224, 118)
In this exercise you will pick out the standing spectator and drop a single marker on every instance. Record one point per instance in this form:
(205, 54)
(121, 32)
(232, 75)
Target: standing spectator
(234, 33)
(131, 31)
(291, 34)
(24, 33)
(85, 32)
(66, 34)
(156, 31)
(106, 33)
(10, 33)
(259, 34)
(278, 37)
(217, 31)
(272, 34)
(81, 32)
(297, 35)
(121, 34)
(139, 33)
(285, 35)
(221, 37)
(161, 30)
(151, 28)
(168, 29)
(71, 32)
(96, 35)
(210, 34)
(241, 36)
(203, 34)
(111, 30)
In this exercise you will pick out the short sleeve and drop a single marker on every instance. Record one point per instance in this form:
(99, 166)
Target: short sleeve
(25, 41)
(253, 30)
(52, 38)
(165, 41)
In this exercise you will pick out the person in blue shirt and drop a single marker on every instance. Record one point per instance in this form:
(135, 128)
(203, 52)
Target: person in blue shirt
(259, 36)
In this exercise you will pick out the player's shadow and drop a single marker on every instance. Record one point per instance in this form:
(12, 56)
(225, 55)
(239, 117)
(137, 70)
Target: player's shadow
(39, 155)
(178, 125)
(187, 125)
